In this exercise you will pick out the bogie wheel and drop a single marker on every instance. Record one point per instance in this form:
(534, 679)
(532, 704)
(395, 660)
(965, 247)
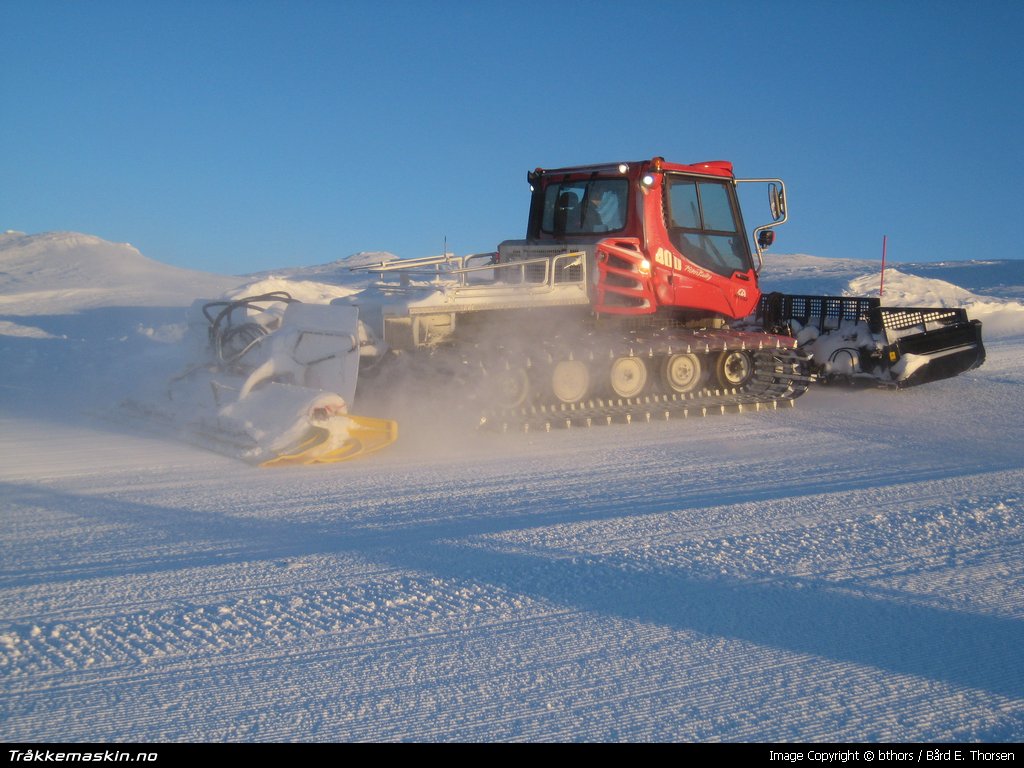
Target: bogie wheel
(734, 368)
(570, 381)
(511, 388)
(628, 376)
(682, 373)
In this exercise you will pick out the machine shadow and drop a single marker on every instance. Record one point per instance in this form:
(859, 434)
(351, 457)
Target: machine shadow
(799, 615)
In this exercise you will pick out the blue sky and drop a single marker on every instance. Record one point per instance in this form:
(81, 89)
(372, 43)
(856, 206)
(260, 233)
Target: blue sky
(235, 136)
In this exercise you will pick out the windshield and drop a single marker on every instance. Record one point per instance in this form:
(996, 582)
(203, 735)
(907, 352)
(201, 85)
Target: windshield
(585, 205)
(702, 224)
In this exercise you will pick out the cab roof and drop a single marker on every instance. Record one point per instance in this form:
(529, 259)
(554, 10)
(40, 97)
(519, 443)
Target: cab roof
(721, 168)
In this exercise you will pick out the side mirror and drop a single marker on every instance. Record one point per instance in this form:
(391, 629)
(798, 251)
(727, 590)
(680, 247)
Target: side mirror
(777, 202)
(765, 238)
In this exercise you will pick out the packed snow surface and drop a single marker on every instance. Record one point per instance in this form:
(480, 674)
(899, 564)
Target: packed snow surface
(848, 569)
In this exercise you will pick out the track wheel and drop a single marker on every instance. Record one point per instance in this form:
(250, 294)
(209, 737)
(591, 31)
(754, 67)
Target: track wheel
(734, 368)
(570, 381)
(682, 373)
(510, 388)
(628, 376)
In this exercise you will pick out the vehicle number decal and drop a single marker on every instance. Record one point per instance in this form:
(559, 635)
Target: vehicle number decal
(666, 258)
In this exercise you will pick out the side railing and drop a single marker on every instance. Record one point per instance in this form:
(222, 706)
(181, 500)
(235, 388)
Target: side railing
(481, 271)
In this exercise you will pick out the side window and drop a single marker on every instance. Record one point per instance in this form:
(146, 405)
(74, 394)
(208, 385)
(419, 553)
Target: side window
(714, 200)
(685, 208)
(562, 206)
(585, 206)
(710, 210)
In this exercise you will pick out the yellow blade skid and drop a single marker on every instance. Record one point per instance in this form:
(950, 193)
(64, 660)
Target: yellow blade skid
(365, 435)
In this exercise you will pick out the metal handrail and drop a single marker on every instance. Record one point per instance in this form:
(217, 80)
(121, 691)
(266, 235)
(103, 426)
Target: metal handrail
(407, 264)
(548, 262)
(460, 269)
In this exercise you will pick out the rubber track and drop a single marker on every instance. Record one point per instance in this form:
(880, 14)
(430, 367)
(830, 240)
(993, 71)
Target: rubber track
(780, 376)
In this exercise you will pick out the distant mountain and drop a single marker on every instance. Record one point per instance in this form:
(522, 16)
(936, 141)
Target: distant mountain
(337, 272)
(1002, 278)
(69, 271)
(61, 273)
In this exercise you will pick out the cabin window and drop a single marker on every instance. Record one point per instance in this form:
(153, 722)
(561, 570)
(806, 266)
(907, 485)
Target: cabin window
(702, 224)
(585, 206)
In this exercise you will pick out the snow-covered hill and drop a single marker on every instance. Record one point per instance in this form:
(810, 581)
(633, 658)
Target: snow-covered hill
(849, 569)
(69, 271)
(991, 291)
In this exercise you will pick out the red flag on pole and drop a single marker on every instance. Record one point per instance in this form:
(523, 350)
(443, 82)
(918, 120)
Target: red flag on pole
(881, 283)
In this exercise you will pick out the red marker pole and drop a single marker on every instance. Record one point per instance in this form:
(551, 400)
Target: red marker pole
(881, 283)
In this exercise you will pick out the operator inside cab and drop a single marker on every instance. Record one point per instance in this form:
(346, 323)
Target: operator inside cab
(602, 212)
